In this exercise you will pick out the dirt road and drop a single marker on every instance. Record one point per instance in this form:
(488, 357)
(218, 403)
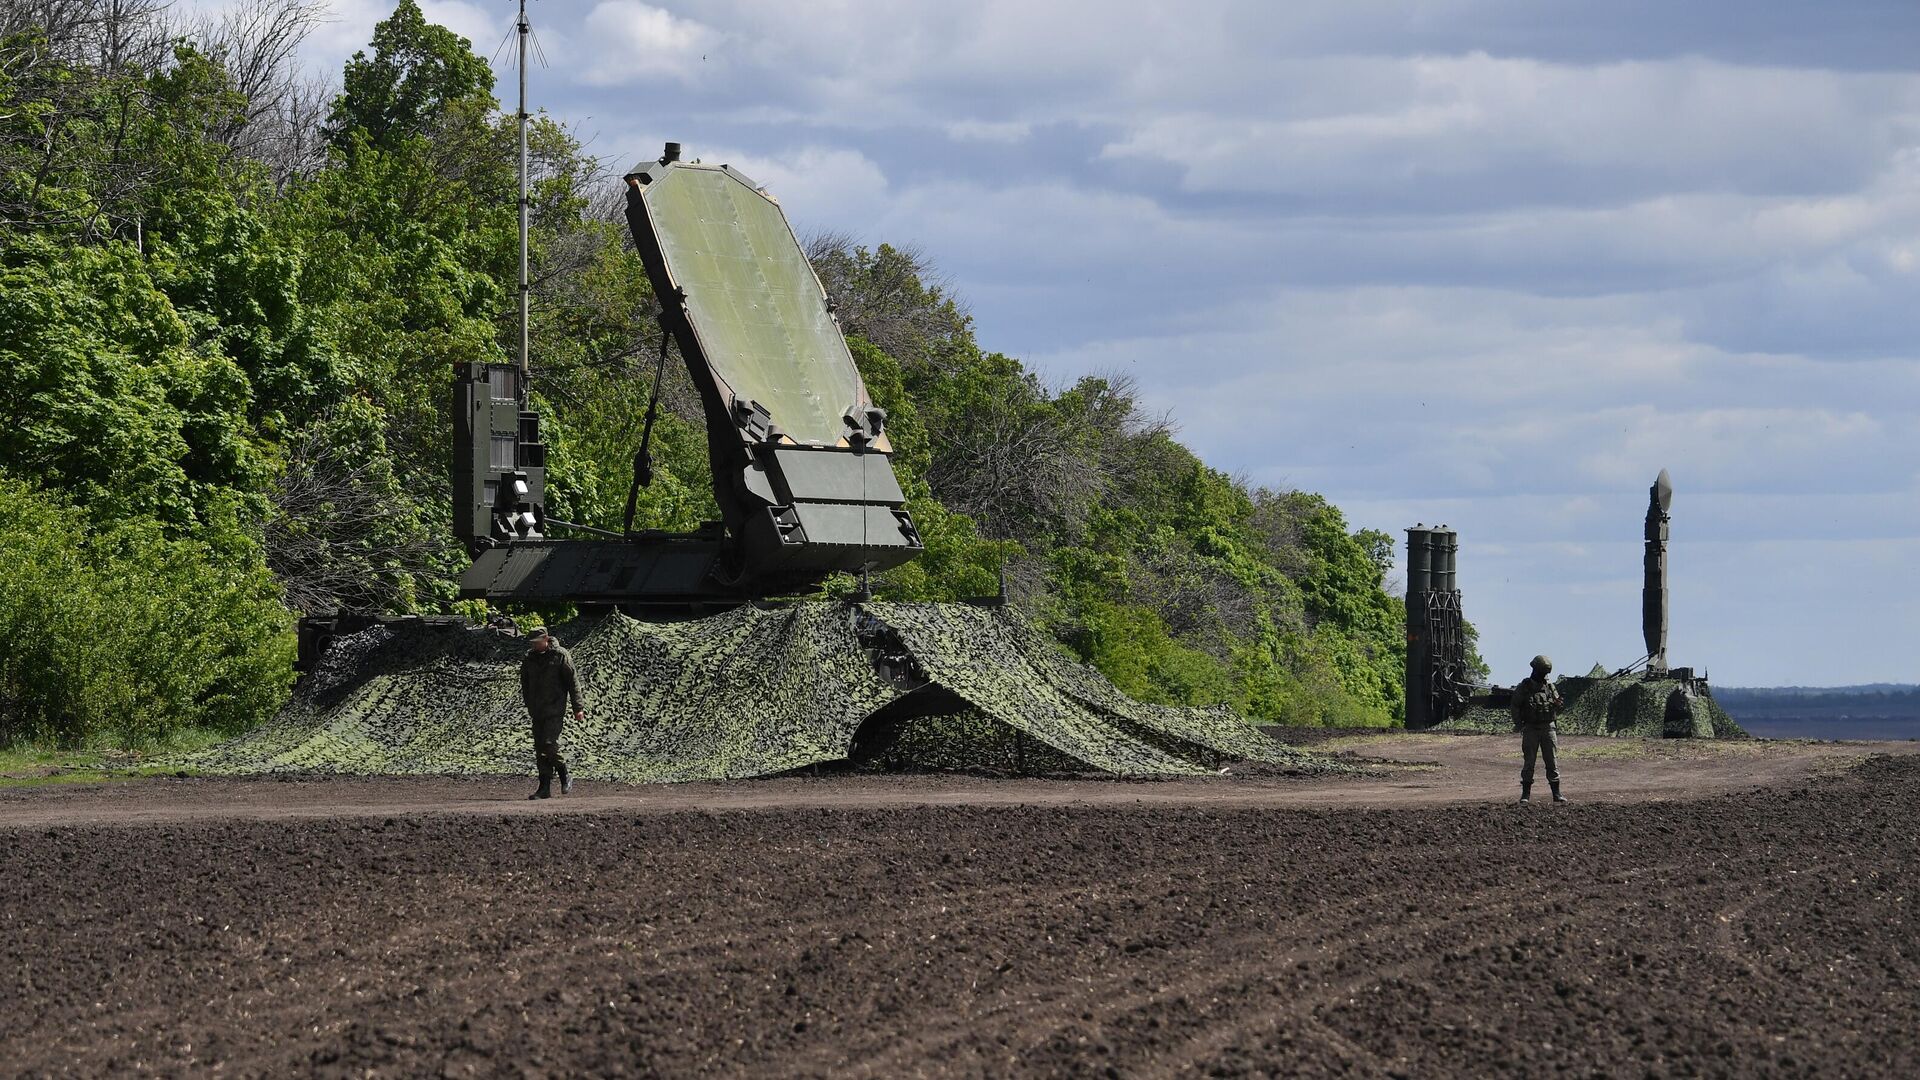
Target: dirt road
(1034, 928)
(1406, 769)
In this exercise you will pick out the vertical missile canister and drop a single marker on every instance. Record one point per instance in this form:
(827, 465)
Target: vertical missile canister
(1419, 560)
(1419, 586)
(1436, 684)
(1653, 592)
(1446, 549)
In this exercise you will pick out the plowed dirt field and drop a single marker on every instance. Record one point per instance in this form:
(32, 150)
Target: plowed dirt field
(963, 927)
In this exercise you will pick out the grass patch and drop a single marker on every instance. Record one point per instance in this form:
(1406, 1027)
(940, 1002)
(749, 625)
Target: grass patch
(86, 775)
(1356, 742)
(1673, 749)
(1840, 764)
(35, 764)
(1618, 748)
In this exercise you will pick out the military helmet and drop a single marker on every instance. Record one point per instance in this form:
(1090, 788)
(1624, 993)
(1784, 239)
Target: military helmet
(1542, 665)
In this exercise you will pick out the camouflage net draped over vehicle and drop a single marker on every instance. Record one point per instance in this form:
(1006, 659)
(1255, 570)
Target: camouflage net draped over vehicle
(746, 693)
(1013, 673)
(1625, 705)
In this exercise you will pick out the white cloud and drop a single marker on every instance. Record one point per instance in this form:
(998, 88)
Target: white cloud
(1356, 392)
(632, 42)
(484, 28)
(816, 186)
(999, 131)
(1439, 130)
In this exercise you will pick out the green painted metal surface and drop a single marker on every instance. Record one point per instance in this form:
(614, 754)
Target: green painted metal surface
(752, 298)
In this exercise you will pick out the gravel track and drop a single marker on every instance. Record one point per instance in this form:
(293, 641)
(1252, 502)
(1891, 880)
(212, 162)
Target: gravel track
(1756, 933)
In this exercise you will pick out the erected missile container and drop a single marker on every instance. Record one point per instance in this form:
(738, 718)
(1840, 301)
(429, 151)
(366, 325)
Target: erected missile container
(1437, 686)
(1653, 589)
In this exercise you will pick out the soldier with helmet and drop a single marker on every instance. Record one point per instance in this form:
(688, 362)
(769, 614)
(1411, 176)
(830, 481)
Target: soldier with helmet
(1535, 704)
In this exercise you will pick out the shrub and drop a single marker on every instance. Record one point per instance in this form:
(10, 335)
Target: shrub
(121, 632)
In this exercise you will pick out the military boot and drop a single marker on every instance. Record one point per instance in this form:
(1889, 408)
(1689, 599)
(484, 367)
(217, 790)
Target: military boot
(545, 765)
(566, 781)
(1526, 791)
(1557, 797)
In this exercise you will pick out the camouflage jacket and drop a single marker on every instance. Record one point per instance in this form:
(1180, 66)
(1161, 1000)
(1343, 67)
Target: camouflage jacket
(1535, 702)
(548, 682)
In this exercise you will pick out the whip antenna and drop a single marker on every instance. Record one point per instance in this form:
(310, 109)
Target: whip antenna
(524, 29)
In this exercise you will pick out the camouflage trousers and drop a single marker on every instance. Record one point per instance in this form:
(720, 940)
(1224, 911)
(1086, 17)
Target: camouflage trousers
(1539, 740)
(546, 747)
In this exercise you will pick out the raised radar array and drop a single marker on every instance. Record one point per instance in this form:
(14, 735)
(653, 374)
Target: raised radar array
(799, 451)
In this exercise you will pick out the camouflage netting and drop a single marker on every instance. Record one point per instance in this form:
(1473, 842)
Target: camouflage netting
(1627, 705)
(746, 693)
(1011, 673)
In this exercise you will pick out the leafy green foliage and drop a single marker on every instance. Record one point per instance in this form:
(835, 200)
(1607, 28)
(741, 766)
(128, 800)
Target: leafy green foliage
(124, 631)
(106, 394)
(958, 563)
(417, 69)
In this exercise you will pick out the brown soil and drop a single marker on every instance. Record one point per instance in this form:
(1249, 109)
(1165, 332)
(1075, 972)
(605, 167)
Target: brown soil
(859, 927)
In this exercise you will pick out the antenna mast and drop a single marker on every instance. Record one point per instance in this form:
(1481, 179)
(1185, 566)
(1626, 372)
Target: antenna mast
(524, 28)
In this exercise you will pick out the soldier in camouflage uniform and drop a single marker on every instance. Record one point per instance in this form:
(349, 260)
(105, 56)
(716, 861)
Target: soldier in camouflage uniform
(548, 684)
(1535, 704)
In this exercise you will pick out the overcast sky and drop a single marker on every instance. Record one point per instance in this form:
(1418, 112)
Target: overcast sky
(1485, 263)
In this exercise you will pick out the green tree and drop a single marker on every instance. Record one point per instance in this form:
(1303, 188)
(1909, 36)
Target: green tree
(106, 394)
(121, 631)
(417, 70)
(958, 563)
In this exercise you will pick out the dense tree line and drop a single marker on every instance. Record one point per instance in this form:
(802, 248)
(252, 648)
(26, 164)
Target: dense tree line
(230, 302)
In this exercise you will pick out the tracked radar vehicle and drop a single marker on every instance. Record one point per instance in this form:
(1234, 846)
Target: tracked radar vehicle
(799, 451)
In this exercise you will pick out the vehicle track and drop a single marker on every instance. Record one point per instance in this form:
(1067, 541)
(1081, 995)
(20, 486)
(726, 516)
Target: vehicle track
(1029, 1019)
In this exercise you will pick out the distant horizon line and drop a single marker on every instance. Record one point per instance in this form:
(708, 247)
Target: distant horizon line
(1850, 688)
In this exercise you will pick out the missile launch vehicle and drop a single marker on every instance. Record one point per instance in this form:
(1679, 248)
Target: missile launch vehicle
(1647, 697)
